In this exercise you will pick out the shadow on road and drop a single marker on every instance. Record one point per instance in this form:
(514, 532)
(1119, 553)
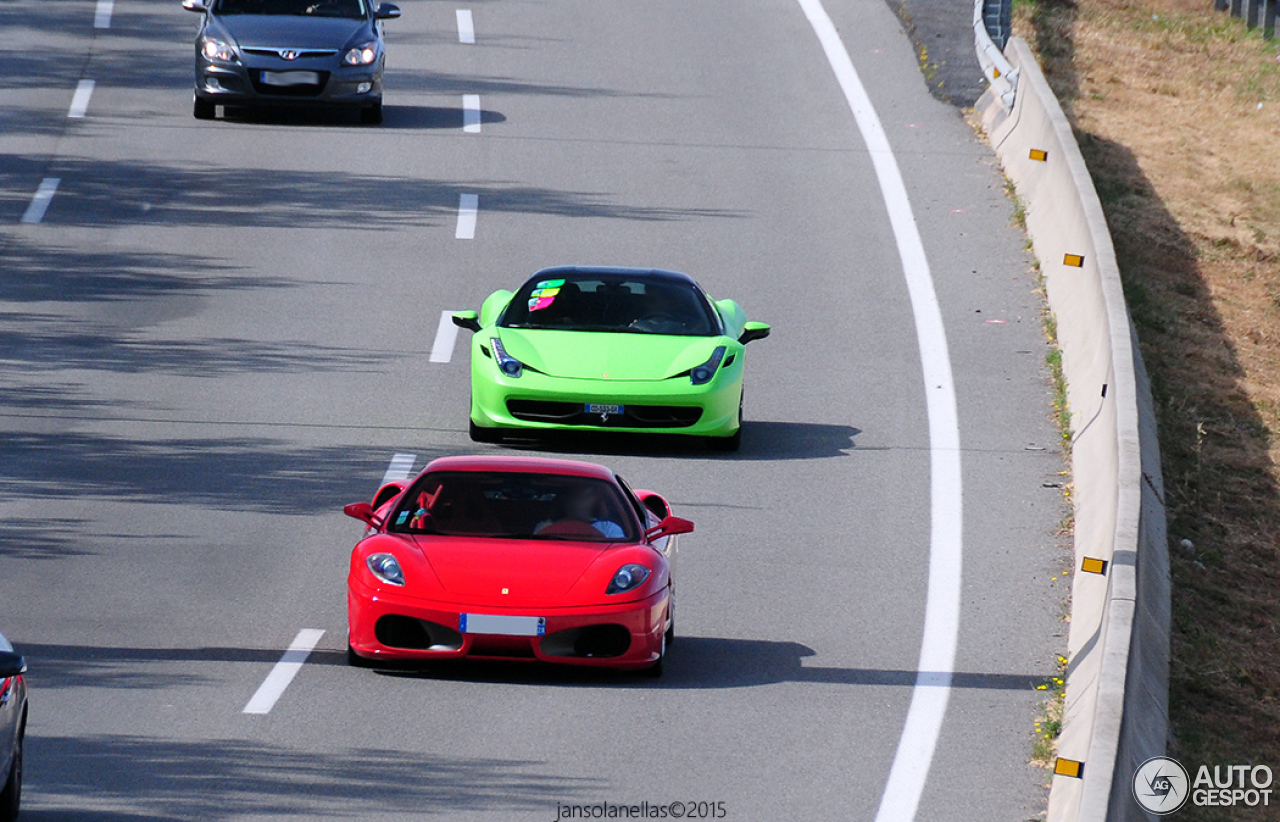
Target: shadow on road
(701, 663)
(214, 779)
(761, 441)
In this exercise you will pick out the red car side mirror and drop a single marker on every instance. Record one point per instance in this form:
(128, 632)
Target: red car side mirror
(362, 511)
(669, 527)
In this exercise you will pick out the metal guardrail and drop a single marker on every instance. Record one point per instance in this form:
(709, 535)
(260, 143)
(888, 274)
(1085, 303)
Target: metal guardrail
(1250, 11)
(992, 21)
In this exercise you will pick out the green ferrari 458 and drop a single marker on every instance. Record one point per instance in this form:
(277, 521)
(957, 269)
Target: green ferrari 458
(608, 349)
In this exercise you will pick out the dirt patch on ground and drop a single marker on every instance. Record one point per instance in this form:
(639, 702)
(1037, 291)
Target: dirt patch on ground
(1177, 110)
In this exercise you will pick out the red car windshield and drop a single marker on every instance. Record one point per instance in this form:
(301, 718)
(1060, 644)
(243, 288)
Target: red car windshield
(515, 506)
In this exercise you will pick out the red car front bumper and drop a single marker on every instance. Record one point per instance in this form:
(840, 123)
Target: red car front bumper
(388, 625)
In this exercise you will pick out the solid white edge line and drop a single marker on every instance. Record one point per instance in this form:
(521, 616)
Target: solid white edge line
(40, 201)
(466, 28)
(446, 338)
(264, 699)
(471, 113)
(932, 690)
(102, 15)
(468, 205)
(80, 100)
(400, 467)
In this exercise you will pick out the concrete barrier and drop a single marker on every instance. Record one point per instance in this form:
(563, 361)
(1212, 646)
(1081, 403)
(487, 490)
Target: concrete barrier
(1116, 712)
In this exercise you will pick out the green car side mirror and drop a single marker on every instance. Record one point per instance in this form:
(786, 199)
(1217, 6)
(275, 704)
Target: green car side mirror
(469, 320)
(754, 331)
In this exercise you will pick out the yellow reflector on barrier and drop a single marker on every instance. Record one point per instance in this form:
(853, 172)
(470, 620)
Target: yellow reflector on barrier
(1073, 260)
(1068, 767)
(1093, 565)
(995, 72)
(1039, 154)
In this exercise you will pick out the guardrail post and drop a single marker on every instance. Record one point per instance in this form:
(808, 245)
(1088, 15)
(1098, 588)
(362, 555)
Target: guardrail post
(1251, 19)
(1269, 20)
(1237, 8)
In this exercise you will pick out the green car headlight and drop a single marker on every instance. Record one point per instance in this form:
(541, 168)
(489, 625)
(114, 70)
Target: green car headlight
(507, 364)
(702, 374)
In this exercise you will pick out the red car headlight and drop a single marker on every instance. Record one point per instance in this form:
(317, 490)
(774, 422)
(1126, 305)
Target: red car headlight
(386, 568)
(629, 577)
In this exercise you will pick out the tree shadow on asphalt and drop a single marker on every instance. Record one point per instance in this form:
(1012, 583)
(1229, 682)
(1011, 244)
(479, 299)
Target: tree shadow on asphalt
(244, 474)
(112, 193)
(37, 272)
(133, 776)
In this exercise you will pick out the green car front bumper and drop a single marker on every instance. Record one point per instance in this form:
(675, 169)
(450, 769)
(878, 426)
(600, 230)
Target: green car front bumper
(535, 401)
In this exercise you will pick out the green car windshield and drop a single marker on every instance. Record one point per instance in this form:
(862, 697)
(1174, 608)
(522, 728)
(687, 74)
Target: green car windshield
(515, 506)
(304, 8)
(612, 303)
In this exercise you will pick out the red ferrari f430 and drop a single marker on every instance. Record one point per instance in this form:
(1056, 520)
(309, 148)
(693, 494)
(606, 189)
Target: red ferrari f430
(514, 558)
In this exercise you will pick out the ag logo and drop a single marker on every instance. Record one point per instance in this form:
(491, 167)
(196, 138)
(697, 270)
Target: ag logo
(1161, 785)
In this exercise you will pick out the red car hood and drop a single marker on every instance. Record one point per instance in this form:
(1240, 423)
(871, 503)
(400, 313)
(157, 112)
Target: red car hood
(508, 572)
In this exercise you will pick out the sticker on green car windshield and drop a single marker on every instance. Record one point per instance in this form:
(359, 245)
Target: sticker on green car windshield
(544, 294)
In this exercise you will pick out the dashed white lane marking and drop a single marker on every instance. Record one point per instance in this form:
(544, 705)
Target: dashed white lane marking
(102, 15)
(932, 689)
(80, 100)
(400, 467)
(471, 113)
(468, 205)
(40, 202)
(466, 28)
(446, 337)
(283, 673)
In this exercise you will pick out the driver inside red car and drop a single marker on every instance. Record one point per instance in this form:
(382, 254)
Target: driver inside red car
(583, 510)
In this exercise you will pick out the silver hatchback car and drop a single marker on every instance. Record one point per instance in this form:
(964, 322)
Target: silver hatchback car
(290, 52)
(13, 728)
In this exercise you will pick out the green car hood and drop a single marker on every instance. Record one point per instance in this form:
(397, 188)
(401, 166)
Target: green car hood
(593, 356)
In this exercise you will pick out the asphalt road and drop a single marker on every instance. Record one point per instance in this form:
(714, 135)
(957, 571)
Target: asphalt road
(218, 333)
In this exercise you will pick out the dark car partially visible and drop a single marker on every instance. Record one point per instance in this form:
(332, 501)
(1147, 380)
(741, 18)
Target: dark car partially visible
(270, 53)
(13, 727)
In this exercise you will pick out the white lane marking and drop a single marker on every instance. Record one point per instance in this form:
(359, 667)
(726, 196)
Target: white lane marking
(466, 28)
(468, 205)
(446, 337)
(40, 202)
(932, 689)
(471, 113)
(284, 671)
(400, 467)
(80, 100)
(102, 15)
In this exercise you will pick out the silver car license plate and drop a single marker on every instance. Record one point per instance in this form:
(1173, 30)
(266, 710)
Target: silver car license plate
(290, 78)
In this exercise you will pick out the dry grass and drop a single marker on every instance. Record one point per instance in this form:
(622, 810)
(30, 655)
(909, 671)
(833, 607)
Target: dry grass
(1177, 110)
